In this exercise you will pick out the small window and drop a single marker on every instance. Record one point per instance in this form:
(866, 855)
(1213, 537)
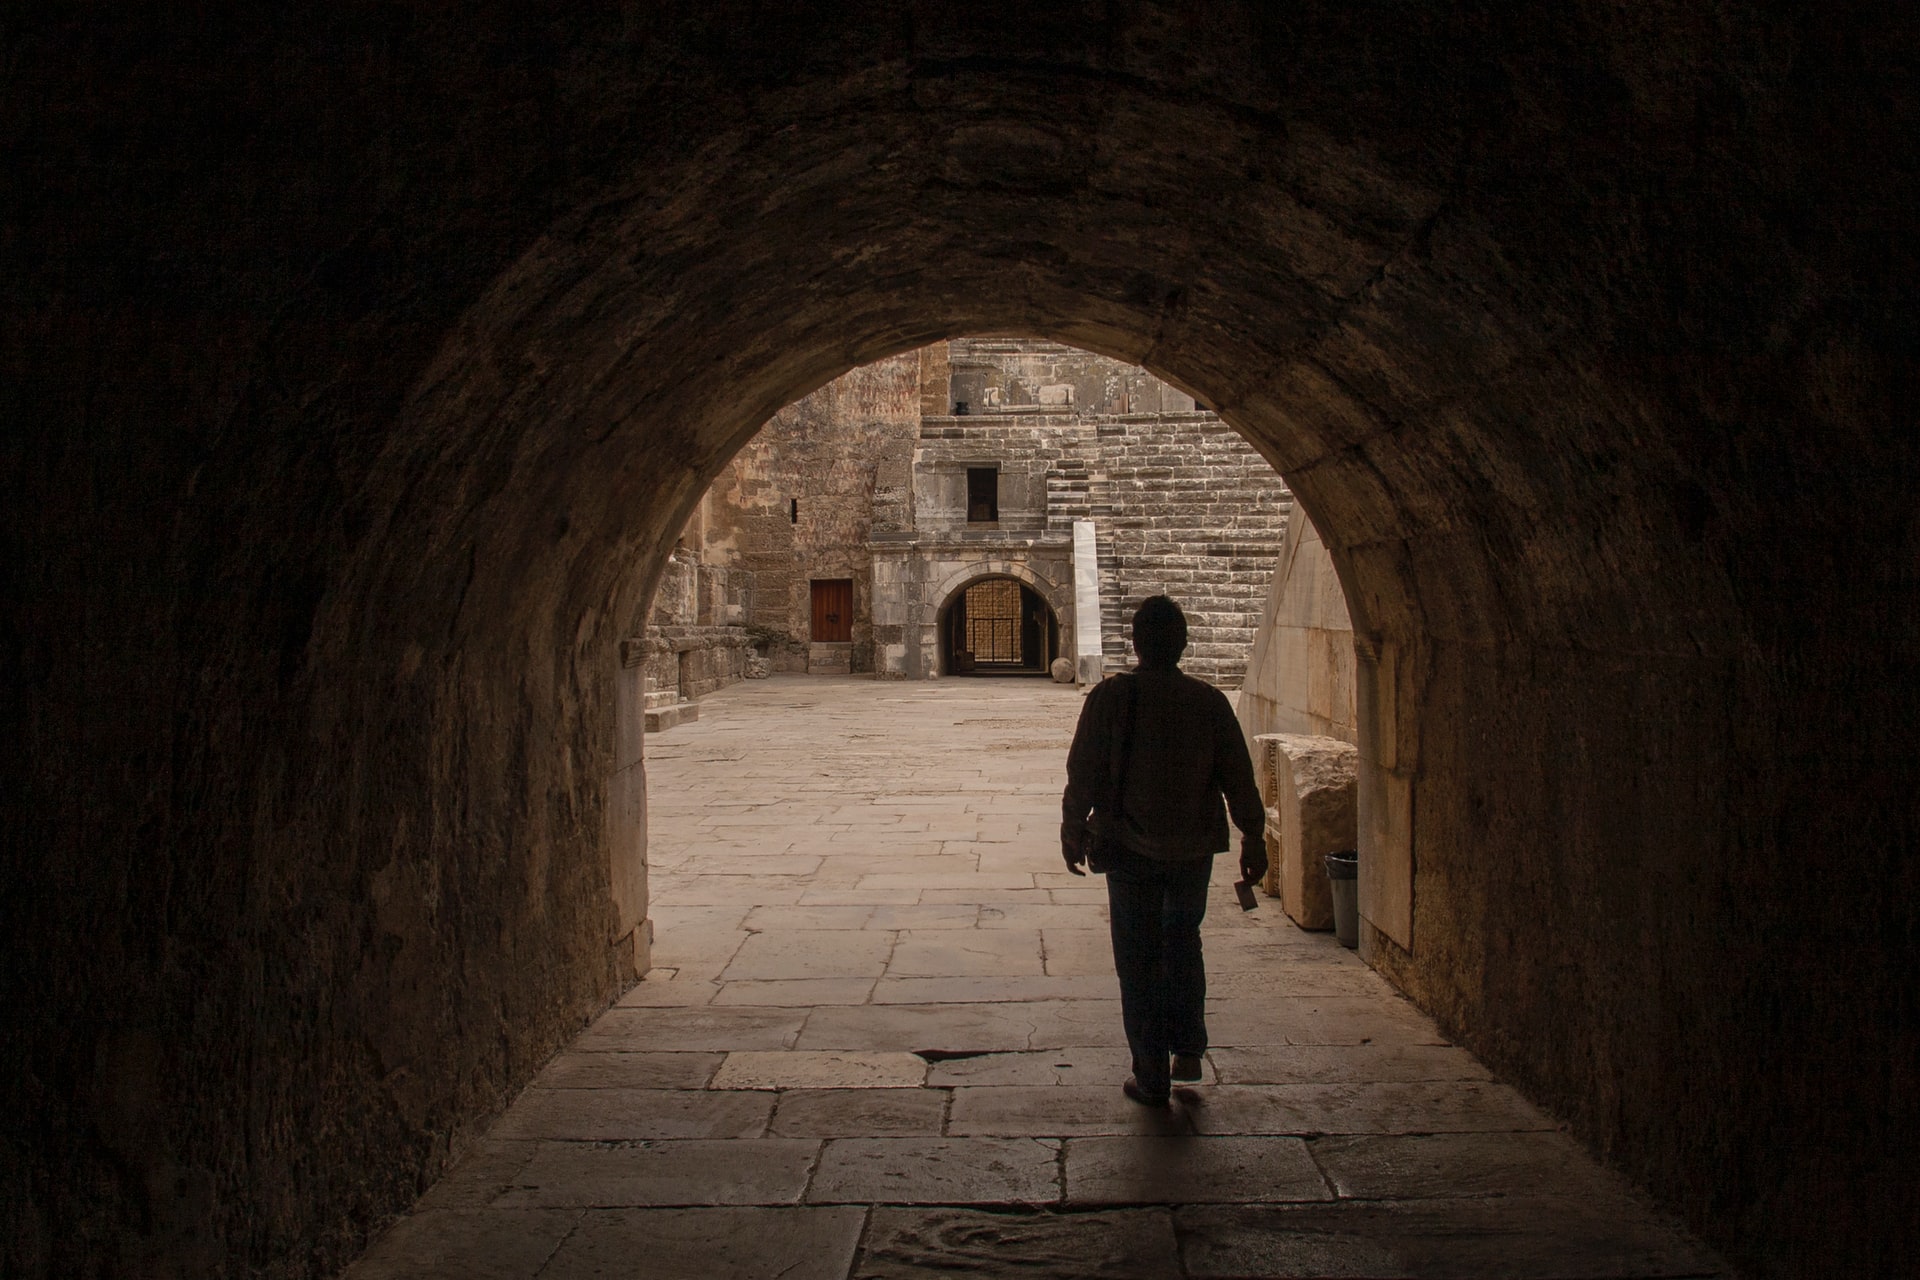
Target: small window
(983, 494)
(793, 511)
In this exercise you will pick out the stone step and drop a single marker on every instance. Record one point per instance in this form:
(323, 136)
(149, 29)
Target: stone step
(667, 717)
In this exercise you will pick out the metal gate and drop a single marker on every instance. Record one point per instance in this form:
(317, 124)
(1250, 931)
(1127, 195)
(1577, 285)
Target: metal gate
(993, 621)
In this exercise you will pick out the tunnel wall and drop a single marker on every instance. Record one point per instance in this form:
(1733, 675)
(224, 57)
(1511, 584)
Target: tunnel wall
(353, 359)
(1300, 674)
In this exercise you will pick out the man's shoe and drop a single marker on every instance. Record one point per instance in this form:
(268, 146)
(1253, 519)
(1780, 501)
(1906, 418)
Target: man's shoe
(1133, 1090)
(1186, 1067)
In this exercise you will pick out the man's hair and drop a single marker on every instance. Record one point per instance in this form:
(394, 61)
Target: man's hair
(1159, 631)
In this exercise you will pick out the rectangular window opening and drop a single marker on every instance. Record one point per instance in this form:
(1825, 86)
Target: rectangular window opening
(983, 494)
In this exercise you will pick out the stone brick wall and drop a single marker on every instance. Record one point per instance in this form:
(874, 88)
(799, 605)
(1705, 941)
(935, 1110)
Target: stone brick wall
(1180, 502)
(1192, 511)
(798, 504)
(1300, 677)
(997, 374)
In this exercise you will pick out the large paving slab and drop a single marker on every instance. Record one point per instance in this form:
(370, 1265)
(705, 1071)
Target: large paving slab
(861, 1113)
(951, 953)
(629, 1029)
(1125, 1244)
(811, 953)
(468, 1244)
(1330, 1064)
(795, 993)
(482, 1173)
(938, 1171)
(1454, 1106)
(949, 1028)
(993, 990)
(614, 1115)
(882, 1039)
(1057, 1110)
(807, 1069)
(1514, 1238)
(1446, 1165)
(618, 1175)
(702, 1244)
(1095, 1066)
(1190, 1170)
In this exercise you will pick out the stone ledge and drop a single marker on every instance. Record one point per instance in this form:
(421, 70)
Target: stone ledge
(667, 717)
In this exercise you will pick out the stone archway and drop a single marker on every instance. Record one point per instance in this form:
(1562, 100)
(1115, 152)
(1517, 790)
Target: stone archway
(1597, 409)
(1057, 594)
(1036, 652)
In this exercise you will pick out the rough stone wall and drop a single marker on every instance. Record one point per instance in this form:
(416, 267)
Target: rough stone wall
(914, 579)
(1031, 452)
(1183, 503)
(1000, 374)
(693, 661)
(840, 453)
(919, 562)
(362, 364)
(1193, 512)
(1300, 675)
(1180, 502)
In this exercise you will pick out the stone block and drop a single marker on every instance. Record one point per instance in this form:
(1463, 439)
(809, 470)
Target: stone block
(859, 1113)
(1191, 1170)
(936, 1171)
(795, 1069)
(743, 1243)
(1312, 786)
(687, 1172)
(626, 1115)
(1129, 1244)
(830, 658)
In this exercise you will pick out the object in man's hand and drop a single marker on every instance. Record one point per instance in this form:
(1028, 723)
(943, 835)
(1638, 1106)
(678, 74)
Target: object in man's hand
(1243, 890)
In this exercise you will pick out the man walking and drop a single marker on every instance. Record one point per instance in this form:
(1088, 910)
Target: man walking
(1154, 753)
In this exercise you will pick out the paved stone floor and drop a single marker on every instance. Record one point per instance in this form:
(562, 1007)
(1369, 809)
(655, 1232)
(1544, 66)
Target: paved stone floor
(883, 1039)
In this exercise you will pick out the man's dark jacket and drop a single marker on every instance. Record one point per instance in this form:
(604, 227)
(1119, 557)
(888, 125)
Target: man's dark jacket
(1186, 752)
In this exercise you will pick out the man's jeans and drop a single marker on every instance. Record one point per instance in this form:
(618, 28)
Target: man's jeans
(1156, 909)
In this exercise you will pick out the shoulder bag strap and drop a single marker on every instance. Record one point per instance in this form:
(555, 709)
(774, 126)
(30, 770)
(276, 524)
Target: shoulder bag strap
(1117, 781)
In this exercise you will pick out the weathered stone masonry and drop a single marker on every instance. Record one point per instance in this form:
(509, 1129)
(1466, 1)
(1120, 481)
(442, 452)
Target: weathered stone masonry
(868, 479)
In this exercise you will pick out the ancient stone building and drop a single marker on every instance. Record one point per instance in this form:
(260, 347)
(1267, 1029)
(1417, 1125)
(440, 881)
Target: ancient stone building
(932, 497)
(363, 365)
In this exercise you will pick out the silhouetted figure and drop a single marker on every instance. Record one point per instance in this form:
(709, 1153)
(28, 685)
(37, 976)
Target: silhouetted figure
(1153, 754)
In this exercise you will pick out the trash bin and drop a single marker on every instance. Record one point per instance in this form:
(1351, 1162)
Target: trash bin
(1343, 876)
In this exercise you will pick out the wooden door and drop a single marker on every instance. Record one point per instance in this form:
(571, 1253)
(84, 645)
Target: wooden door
(833, 609)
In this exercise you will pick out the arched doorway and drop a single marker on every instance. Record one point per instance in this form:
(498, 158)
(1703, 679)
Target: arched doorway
(998, 626)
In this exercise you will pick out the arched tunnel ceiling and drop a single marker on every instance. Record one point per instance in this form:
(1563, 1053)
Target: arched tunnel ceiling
(1355, 313)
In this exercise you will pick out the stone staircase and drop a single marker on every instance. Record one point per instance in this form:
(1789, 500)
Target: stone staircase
(665, 708)
(1203, 524)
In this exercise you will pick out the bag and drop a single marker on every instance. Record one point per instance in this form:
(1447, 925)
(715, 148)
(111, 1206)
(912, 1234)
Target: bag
(1107, 806)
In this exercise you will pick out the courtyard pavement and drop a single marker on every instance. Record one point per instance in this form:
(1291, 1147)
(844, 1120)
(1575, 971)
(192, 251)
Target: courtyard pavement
(882, 1039)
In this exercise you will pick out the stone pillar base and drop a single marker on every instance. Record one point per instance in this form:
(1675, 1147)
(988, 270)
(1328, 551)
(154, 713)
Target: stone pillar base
(633, 952)
(1312, 783)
